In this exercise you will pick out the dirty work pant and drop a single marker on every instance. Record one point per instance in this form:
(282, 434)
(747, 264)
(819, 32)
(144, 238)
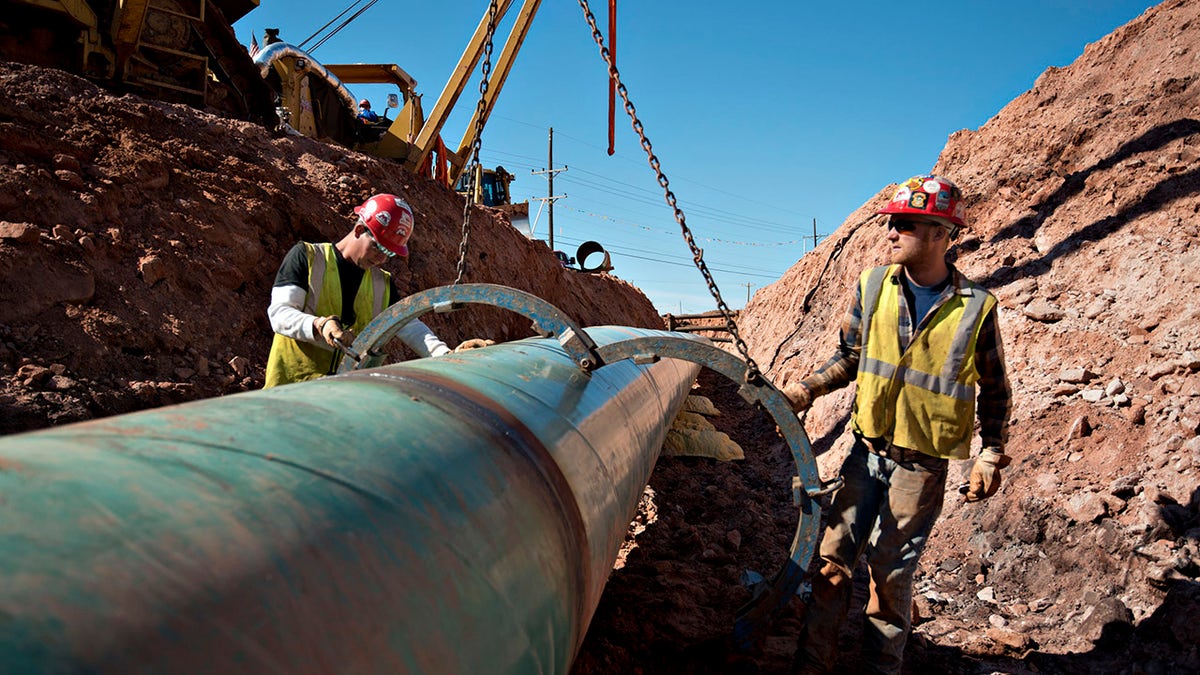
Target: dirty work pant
(886, 508)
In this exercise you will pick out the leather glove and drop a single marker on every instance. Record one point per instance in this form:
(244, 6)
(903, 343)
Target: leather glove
(798, 395)
(985, 474)
(330, 328)
(473, 343)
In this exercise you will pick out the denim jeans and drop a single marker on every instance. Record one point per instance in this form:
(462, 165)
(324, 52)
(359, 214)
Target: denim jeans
(886, 508)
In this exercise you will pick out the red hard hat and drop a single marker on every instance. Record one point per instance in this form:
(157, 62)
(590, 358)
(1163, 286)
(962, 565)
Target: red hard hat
(364, 104)
(390, 220)
(928, 196)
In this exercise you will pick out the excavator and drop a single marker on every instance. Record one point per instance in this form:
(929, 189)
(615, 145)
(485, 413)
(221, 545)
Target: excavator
(183, 51)
(314, 100)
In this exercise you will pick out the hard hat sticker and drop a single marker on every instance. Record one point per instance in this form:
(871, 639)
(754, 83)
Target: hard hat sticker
(931, 186)
(942, 202)
(383, 218)
(918, 200)
(902, 194)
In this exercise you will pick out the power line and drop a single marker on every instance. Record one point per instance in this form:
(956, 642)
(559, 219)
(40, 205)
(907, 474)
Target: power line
(677, 264)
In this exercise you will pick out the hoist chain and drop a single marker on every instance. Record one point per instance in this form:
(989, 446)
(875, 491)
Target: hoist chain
(472, 168)
(752, 372)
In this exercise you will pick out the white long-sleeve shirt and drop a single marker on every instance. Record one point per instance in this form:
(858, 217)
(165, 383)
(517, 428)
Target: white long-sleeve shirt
(289, 319)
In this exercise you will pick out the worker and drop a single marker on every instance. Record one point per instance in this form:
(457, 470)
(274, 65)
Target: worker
(918, 339)
(325, 294)
(365, 114)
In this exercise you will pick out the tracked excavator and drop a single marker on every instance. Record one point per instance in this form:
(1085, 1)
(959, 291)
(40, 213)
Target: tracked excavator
(175, 50)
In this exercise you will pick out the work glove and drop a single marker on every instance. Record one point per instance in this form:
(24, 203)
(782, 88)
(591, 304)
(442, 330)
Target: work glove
(985, 474)
(330, 328)
(473, 343)
(798, 395)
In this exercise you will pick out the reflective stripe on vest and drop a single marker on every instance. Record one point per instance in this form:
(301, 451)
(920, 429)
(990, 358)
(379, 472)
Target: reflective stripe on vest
(921, 398)
(295, 360)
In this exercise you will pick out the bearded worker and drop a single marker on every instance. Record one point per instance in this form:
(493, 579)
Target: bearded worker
(919, 340)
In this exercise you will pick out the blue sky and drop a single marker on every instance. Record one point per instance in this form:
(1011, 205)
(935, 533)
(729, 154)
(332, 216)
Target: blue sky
(764, 115)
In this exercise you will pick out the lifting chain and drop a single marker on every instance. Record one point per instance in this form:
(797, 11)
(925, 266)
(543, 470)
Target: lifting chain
(480, 109)
(752, 373)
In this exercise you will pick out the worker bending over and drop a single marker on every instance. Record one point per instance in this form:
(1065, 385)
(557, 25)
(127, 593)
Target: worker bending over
(918, 339)
(325, 294)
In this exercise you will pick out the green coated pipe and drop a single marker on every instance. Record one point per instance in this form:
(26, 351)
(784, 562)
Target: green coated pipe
(451, 515)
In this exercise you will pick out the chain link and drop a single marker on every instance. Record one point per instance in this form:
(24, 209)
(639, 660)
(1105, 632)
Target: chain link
(472, 168)
(752, 373)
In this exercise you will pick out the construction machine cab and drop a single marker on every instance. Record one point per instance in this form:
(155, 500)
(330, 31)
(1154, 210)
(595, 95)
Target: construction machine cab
(490, 186)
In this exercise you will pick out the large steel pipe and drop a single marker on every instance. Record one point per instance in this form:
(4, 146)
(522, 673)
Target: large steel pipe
(452, 515)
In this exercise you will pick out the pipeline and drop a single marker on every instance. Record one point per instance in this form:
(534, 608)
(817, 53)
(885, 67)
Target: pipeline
(443, 515)
(269, 54)
(458, 514)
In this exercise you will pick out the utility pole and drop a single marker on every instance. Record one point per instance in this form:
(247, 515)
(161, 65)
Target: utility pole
(748, 286)
(550, 196)
(814, 236)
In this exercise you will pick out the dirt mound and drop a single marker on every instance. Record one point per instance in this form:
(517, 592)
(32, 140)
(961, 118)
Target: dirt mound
(1085, 221)
(139, 241)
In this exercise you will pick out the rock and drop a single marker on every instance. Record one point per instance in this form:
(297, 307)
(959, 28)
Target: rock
(1108, 619)
(1080, 428)
(1136, 413)
(202, 366)
(1092, 395)
(1125, 486)
(70, 179)
(1191, 361)
(184, 373)
(1161, 369)
(67, 163)
(31, 374)
(1075, 374)
(60, 383)
(997, 620)
(61, 232)
(240, 365)
(1041, 310)
(24, 233)
(58, 369)
(152, 269)
(88, 243)
(1120, 400)
(1086, 507)
(734, 538)
(1009, 638)
(1096, 307)
(1115, 386)
(1064, 389)
(987, 594)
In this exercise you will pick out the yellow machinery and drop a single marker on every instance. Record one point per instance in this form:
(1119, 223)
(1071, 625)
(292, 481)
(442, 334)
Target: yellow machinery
(316, 102)
(175, 50)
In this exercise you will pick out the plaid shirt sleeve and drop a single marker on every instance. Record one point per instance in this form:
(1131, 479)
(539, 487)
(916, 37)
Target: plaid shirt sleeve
(842, 368)
(994, 403)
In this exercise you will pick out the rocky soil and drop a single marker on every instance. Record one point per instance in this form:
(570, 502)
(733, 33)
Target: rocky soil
(1085, 221)
(139, 241)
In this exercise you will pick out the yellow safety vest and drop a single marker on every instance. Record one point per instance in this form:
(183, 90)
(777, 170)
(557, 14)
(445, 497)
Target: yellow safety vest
(294, 360)
(921, 398)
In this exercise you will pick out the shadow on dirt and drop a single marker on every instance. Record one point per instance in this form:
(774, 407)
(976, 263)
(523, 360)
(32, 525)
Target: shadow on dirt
(1164, 642)
(1172, 189)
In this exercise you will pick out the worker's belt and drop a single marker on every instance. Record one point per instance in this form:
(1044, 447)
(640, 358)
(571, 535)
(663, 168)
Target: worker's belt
(885, 448)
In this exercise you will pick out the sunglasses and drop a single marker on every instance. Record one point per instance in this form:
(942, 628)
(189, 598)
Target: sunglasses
(907, 225)
(379, 246)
